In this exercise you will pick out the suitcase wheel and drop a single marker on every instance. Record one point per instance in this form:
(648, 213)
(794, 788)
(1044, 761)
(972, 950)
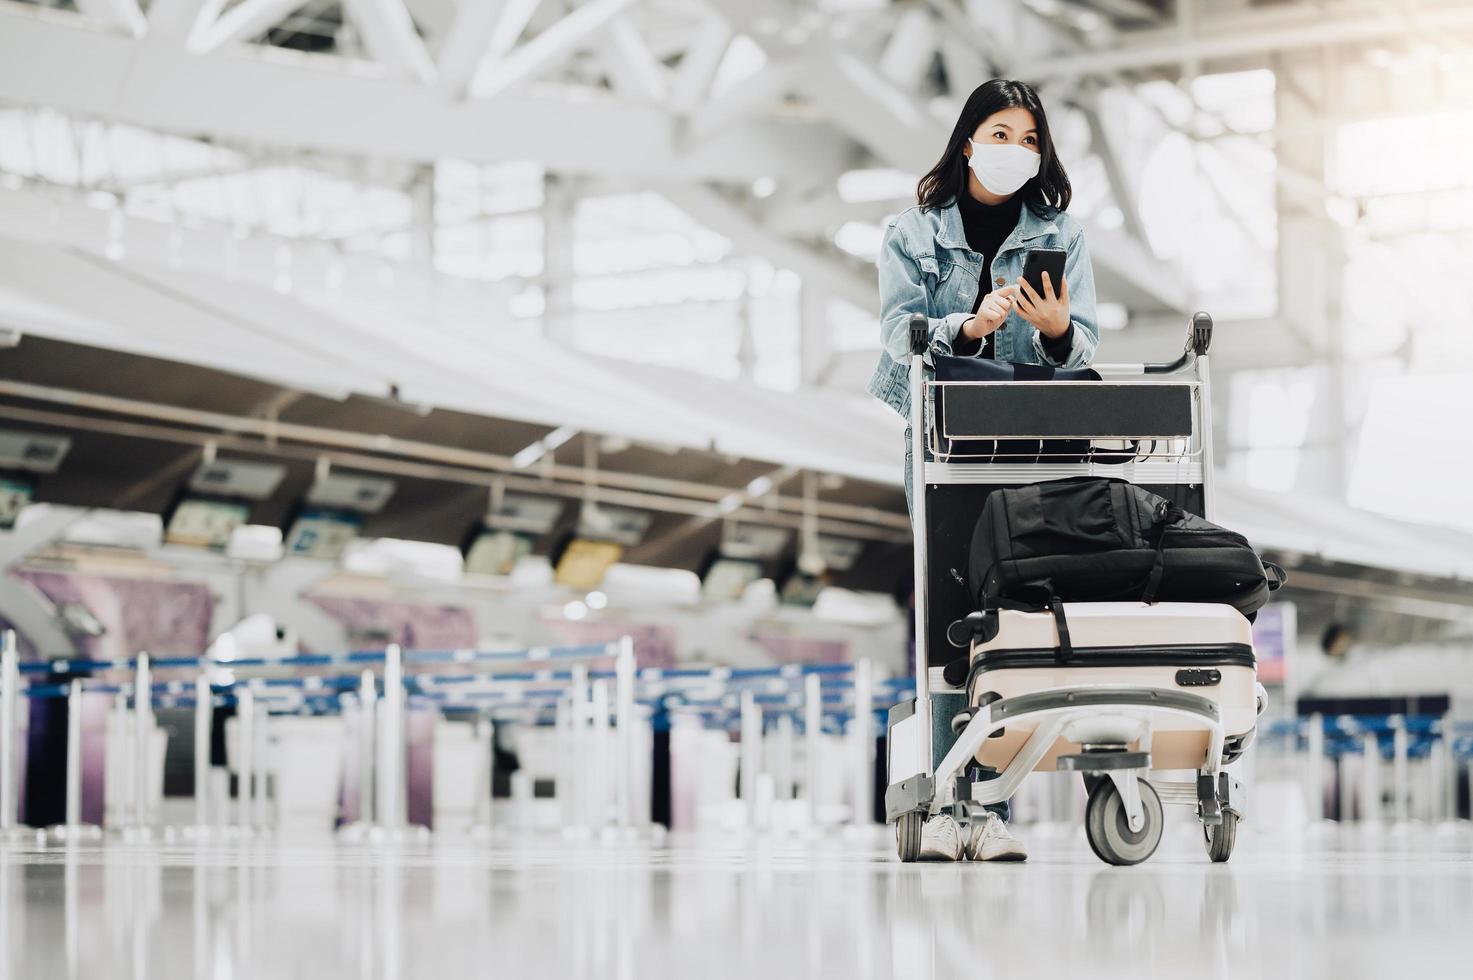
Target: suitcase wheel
(1221, 838)
(1108, 829)
(908, 836)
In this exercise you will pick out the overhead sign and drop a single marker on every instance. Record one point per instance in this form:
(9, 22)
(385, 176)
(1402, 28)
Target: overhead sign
(344, 491)
(238, 478)
(527, 514)
(616, 524)
(753, 542)
(33, 452)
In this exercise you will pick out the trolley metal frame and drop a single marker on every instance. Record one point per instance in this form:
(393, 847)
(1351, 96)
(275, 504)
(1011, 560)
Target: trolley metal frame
(924, 788)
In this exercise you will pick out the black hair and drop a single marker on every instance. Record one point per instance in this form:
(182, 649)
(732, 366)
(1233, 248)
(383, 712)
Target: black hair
(948, 179)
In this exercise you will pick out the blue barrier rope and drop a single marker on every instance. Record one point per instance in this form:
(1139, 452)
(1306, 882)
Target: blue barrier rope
(779, 681)
(587, 651)
(1345, 734)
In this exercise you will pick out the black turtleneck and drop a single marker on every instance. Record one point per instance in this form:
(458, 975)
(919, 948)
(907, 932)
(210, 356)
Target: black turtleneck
(987, 227)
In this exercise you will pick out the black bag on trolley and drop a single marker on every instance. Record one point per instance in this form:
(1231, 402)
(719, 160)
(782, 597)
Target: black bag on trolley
(1095, 539)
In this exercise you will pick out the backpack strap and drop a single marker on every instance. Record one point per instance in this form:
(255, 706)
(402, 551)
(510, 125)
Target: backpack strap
(1061, 622)
(1040, 597)
(1165, 515)
(1276, 575)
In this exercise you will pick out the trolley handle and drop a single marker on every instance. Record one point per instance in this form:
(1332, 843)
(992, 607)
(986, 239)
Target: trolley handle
(1199, 339)
(919, 327)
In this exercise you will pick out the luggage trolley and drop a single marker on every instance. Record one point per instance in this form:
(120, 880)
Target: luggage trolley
(1147, 696)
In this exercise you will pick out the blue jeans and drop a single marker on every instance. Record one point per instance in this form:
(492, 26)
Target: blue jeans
(977, 772)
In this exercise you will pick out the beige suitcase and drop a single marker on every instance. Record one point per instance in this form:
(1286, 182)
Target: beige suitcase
(1142, 690)
(1197, 648)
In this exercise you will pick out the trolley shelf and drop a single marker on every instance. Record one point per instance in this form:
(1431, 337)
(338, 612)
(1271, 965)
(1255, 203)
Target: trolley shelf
(1064, 410)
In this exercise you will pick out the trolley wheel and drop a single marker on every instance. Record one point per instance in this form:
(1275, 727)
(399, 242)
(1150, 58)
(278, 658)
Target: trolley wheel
(1108, 830)
(1220, 839)
(908, 836)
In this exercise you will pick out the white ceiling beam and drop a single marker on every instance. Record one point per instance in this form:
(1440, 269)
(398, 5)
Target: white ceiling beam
(240, 23)
(698, 66)
(891, 124)
(292, 103)
(845, 279)
(962, 28)
(634, 71)
(1294, 27)
(1123, 9)
(482, 29)
(909, 53)
(513, 23)
(1115, 170)
(547, 49)
(752, 98)
(434, 18)
(390, 36)
(965, 67)
(744, 15)
(175, 20)
(123, 14)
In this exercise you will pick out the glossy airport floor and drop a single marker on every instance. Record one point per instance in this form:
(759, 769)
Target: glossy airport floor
(1325, 904)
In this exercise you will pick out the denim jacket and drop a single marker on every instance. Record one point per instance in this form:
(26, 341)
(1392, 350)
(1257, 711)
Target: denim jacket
(926, 267)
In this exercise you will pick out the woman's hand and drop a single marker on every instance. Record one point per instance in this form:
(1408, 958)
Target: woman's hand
(992, 311)
(1049, 313)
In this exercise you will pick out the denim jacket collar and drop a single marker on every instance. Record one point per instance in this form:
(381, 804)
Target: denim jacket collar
(1030, 226)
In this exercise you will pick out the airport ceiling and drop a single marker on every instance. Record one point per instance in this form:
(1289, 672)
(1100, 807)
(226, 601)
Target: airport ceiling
(742, 112)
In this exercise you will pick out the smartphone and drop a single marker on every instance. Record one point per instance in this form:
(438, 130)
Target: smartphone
(1041, 260)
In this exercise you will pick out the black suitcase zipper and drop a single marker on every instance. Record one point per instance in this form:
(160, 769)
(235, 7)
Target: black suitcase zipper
(1214, 655)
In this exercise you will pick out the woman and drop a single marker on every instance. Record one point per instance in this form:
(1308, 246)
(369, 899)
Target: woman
(998, 191)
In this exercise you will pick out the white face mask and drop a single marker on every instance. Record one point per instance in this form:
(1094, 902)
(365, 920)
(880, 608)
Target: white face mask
(1002, 168)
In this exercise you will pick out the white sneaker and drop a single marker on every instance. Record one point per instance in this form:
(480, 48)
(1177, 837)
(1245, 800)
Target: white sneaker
(990, 840)
(941, 839)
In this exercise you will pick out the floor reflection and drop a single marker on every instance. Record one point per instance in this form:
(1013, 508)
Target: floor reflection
(1326, 907)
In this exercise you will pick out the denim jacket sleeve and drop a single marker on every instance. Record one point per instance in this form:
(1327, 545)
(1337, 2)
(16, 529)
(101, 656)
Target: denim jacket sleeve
(903, 292)
(1080, 276)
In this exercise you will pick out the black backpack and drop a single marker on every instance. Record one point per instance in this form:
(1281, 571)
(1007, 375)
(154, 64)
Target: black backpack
(1094, 539)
